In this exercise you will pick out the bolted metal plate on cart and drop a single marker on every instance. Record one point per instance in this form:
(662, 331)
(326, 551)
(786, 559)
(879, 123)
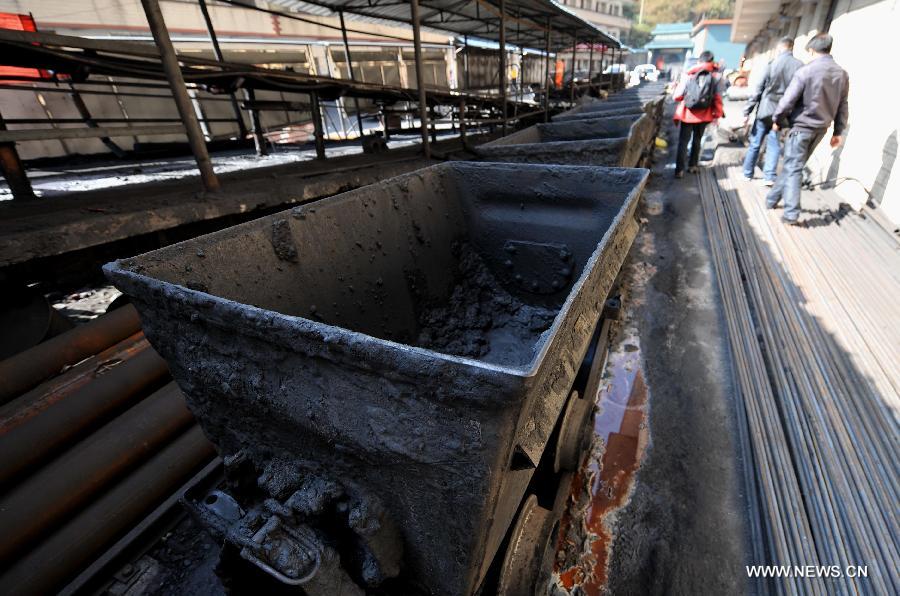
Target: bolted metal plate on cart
(537, 267)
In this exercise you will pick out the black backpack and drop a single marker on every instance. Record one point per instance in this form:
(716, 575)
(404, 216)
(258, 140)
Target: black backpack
(699, 91)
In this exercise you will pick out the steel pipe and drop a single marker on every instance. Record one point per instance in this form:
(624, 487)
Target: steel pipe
(54, 561)
(34, 441)
(31, 403)
(43, 500)
(25, 370)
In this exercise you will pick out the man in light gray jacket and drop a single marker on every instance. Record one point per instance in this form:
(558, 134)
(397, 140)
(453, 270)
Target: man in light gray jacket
(764, 100)
(816, 96)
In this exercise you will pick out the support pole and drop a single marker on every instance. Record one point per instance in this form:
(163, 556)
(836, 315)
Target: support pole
(619, 61)
(462, 122)
(420, 76)
(520, 71)
(259, 139)
(572, 68)
(433, 117)
(503, 61)
(590, 64)
(602, 57)
(547, 73)
(13, 170)
(466, 62)
(238, 115)
(318, 132)
(359, 123)
(179, 92)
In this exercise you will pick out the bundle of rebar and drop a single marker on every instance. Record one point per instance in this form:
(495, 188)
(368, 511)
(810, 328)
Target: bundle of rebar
(820, 436)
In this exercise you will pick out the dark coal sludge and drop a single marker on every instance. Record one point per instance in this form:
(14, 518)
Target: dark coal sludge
(481, 319)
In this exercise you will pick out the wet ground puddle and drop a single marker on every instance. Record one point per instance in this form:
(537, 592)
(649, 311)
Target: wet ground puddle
(603, 484)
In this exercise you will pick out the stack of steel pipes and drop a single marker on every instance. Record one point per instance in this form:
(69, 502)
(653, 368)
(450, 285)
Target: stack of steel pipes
(822, 442)
(93, 436)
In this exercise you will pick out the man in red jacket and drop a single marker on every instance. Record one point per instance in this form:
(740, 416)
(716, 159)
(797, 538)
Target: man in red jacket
(699, 97)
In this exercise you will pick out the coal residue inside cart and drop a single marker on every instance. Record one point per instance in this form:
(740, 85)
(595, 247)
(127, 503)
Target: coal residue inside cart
(481, 319)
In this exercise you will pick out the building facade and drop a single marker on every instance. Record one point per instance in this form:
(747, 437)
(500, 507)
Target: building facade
(670, 45)
(714, 35)
(608, 15)
(863, 170)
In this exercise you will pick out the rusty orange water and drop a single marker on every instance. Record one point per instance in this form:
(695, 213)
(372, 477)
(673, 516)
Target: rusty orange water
(607, 475)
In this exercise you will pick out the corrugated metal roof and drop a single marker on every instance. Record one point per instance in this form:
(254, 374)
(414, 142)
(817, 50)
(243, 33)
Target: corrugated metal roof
(526, 20)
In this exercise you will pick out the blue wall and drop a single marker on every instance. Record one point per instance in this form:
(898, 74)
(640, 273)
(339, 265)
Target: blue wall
(718, 42)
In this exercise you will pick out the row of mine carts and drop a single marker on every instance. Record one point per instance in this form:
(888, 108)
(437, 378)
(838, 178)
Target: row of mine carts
(399, 378)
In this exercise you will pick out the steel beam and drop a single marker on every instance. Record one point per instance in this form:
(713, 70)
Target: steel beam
(217, 50)
(547, 70)
(55, 134)
(89, 120)
(318, 132)
(503, 62)
(13, 169)
(420, 76)
(349, 61)
(572, 68)
(179, 92)
(590, 64)
(259, 139)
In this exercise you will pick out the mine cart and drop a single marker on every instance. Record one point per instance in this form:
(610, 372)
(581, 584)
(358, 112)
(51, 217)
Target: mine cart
(603, 141)
(651, 106)
(384, 370)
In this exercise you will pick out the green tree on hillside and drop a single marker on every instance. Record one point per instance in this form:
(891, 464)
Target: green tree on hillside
(679, 11)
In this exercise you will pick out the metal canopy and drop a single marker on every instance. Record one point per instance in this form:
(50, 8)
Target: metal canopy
(526, 20)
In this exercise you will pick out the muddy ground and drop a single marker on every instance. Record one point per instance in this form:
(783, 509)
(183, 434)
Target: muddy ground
(684, 529)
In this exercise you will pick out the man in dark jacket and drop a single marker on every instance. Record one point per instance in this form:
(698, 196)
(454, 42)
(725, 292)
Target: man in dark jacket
(764, 100)
(816, 96)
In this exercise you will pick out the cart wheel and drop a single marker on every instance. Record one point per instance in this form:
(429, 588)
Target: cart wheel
(572, 439)
(528, 561)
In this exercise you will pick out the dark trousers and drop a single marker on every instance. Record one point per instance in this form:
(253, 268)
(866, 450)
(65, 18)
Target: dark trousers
(798, 147)
(688, 132)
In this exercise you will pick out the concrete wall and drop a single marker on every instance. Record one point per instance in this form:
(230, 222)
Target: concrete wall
(868, 159)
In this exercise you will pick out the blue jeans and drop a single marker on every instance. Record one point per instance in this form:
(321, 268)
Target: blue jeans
(798, 146)
(762, 129)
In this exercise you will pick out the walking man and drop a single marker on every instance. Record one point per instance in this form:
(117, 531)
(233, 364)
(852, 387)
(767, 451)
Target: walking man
(816, 96)
(764, 100)
(699, 97)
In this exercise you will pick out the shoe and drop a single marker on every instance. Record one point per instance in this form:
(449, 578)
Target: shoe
(769, 183)
(679, 174)
(694, 169)
(772, 206)
(748, 178)
(791, 222)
